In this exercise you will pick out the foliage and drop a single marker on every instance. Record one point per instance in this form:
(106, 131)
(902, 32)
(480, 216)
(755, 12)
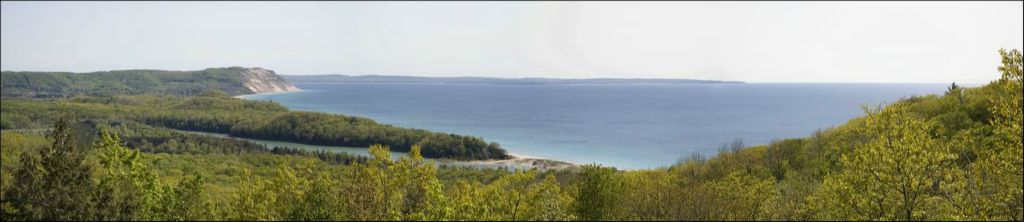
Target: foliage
(122, 82)
(55, 184)
(991, 188)
(597, 190)
(957, 156)
(893, 176)
(241, 118)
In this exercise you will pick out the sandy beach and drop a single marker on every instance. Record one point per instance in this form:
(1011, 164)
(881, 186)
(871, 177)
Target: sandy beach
(517, 161)
(269, 93)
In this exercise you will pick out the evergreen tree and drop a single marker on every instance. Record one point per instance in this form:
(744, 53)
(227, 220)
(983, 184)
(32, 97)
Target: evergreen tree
(55, 185)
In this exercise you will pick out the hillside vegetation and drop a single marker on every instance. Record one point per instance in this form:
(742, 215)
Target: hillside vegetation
(122, 82)
(957, 156)
(218, 113)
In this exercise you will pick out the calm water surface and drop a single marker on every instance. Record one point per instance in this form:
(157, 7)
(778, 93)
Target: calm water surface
(626, 126)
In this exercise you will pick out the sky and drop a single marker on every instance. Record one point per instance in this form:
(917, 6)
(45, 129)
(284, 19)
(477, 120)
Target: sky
(935, 42)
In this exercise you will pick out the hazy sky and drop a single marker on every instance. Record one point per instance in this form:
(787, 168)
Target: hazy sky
(746, 41)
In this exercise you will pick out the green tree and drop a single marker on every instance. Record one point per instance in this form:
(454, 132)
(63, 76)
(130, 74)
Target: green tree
(128, 190)
(304, 194)
(187, 201)
(649, 195)
(55, 185)
(1008, 120)
(745, 197)
(508, 197)
(891, 177)
(548, 202)
(288, 188)
(597, 192)
(466, 198)
(321, 202)
(12, 146)
(253, 200)
(991, 188)
(512, 197)
(407, 189)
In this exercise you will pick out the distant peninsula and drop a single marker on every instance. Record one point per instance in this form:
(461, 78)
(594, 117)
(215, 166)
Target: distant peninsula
(489, 80)
(230, 80)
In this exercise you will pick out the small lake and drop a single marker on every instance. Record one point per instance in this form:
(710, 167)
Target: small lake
(353, 150)
(361, 151)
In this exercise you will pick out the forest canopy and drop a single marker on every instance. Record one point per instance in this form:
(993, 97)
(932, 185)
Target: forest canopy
(250, 119)
(121, 82)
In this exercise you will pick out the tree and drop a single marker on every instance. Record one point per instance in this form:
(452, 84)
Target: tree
(748, 198)
(650, 195)
(891, 177)
(294, 193)
(288, 188)
(55, 185)
(597, 192)
(407, 189)
(992, 188)
(548, 202)
(512, 197)
(467, 199)
(253, 200)
(321, 202)
(186, 201)
(128, 190)
(1009, 117)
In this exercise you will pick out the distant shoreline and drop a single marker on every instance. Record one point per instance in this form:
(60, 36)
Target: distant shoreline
(506, 84)
(378, 79)
(517, 160)
(244, 96)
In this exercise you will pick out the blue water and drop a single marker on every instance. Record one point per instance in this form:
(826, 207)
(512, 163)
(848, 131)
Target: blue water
(626, 126)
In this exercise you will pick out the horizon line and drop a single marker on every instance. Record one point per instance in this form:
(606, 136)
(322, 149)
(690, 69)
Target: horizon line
(658, 78)
(982, 82)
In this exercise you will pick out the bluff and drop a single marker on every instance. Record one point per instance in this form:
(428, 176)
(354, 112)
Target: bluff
(231, 80)
(259, 80)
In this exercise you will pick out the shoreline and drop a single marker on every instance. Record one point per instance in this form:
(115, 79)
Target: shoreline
(517, 161)
(243, 96)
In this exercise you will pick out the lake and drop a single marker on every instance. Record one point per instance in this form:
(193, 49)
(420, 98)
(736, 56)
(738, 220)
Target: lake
(361, 151)
(629, 126)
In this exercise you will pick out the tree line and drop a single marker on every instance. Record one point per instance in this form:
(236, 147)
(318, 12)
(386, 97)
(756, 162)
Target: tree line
(219, 113)
(121, 82)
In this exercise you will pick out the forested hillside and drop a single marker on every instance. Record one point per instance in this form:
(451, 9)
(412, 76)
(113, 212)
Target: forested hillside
(957, 156)
(218, 113)
(233, 80)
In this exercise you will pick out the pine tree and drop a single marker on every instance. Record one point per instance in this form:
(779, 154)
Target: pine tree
(55, 185)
